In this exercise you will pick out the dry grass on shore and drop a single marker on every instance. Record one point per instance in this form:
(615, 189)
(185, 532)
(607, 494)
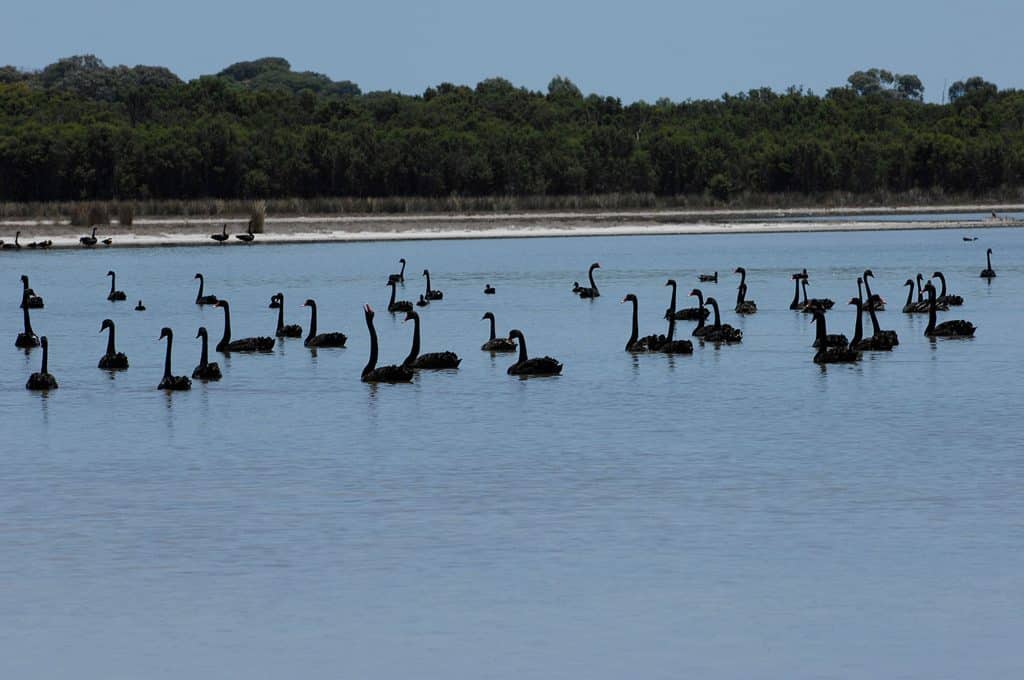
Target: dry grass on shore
(89, 213)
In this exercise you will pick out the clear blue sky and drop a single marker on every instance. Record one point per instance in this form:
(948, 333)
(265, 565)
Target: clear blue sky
(639, 49)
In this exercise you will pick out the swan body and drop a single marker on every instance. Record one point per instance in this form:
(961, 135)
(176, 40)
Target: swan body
(400, 276)
(112, 360)
(89, 241)
(431, 293)
(248, 236)
(861, 344)
(397, 305)
(375, 374)
(874, 302)
(28, 296)
(592, 291)
(944, 297)
(743, 305)
(531, 366)
(226, 345)
(988, 272)
(204, 299)
(27, 338)
(839, 353)
(206, 370)
(174, 383)
(814, 304)
(291, 330)
(43, 380)
(494, 343)
(432, 360)
(957, 328)
(315, 339)
(718, 331)
(648, 343)
(115, 295)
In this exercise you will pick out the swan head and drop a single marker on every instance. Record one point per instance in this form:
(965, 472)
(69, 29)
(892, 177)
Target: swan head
(919, 277)
(908, 282)
(929, 287)
(411, 315)
(368, 312)
(988, 252)
(24, 279)
(711, 301)
(391, 283)
(107, 323)
(487, 315)
(515, 333)
(740, 270)
(110, 273)
(166, 332)
(854, 301)
(860, 281)
(309, 303)
(221, 303)
(402, 260)
(43, 342)
(197, 276)
(629, 298)
(201, 333)
(671, 282)
(696, 293)
(596, 265)
(937, 275)
(426, 272)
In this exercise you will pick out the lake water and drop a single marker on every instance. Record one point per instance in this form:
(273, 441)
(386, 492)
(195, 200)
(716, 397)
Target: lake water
(737, 513)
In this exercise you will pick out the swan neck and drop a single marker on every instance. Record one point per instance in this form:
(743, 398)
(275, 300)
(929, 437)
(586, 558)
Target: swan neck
(167, 357)
(590, 275)
(312, 321)
(718, 318)
(25, 316)
(803, 283)
(227, 325)
(110, 341)
(393, 289)
(415, 350)
(858, 331)
(204, 356)
(280, 314)
(493, 334)
(522, 348)
(820, 330)
(113, 280)
(796, 291)
(636, 321)
(46, 359)
(200, 293)
(942, 280)
(372, 363)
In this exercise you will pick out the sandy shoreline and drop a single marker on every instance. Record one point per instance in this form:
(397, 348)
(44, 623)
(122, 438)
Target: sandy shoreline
(171, 231)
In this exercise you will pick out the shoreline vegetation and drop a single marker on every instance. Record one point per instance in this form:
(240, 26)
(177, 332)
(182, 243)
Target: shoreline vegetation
(80, 130)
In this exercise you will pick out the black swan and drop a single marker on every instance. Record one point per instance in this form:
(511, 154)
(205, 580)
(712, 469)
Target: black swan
(89, 241)
(422, 302)
(432, 360)
(648, 343)
(496, 344)
(226, 345)
(592, 292)
(718, 331)
(28, 296)
(315, 339)
(708, 278)
(13, 246)
(832, 354)
(204, 299)
(397, 305)
(388, 374)
(432, 294)
(221, 237)
(950, 300)
(115, 295)
(957, 328)
(292, 330)
(112, 360)
(528, 366)
(400, 276)
(669, 345)
(687, 314)
(885, 337)
(743, 305)
(701, 329)
(488, 289)
(873, 301)
(796, 304)
(822, 339)
(43, 380)
(912, 307)
(26, 338)
(41, 244)
(140, 307)
(814, 304)
(859, 342)
(178, 383)
(248, 236)
(920, 288)
(206, 370)
(988, 272)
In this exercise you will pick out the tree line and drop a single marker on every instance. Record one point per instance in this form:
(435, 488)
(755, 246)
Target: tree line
(80, 130)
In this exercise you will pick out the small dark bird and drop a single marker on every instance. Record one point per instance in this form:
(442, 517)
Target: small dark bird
(422, 302)
(488, 289)
(140, 307)
(708, 278)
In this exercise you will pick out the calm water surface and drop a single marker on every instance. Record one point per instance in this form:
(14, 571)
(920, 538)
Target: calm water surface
(738, 513)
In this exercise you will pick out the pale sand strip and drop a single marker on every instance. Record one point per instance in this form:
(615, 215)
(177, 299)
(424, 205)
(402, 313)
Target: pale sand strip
(177, 232)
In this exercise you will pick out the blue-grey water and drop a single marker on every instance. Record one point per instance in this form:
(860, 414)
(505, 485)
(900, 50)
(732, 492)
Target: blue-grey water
(738, 513)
